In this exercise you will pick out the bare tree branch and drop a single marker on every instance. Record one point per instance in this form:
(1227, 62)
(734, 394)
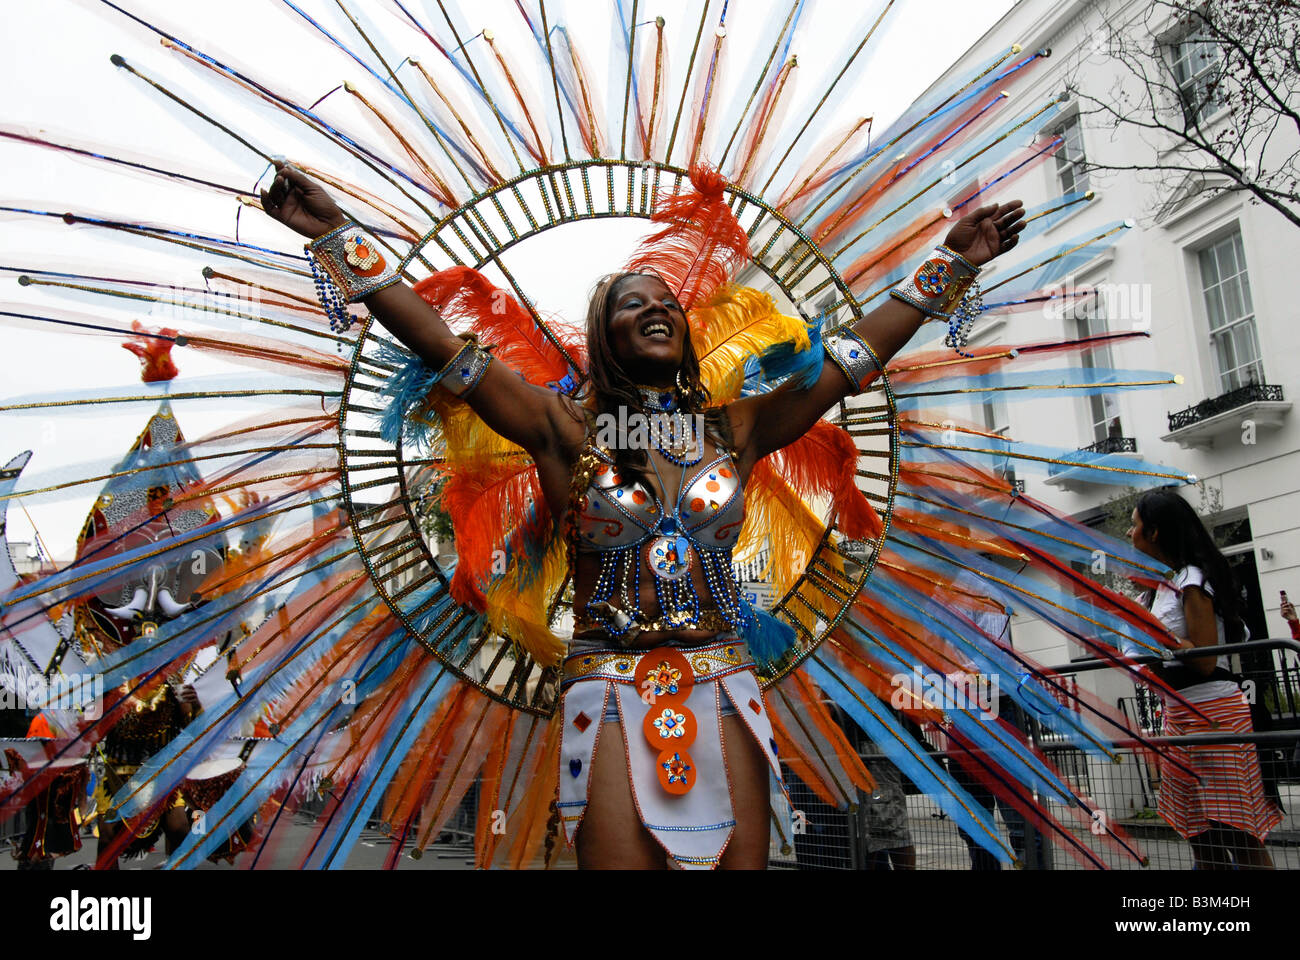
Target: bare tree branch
(1233, 115)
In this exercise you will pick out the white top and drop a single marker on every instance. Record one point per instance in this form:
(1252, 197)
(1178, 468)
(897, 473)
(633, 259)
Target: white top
(1168, 609)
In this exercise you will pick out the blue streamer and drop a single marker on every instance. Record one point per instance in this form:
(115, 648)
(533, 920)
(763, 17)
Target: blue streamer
(879, 724)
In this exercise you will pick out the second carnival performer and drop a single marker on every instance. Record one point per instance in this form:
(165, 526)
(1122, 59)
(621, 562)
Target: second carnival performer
(667, 747)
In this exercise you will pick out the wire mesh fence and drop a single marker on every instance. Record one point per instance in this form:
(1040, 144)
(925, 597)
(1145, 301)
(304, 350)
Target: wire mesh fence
(834, 839)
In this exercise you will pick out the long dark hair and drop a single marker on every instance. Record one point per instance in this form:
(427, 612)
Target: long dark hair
(1182, 538)
(612, 387)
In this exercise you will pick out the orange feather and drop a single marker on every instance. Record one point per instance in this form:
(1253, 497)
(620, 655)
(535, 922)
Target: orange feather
(823, 462)
(501, 322)
(489, 504)
(701, 245)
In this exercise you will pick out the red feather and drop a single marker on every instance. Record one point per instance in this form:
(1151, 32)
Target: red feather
(489, 505)
(823, 462)
(462, 293)
(702, 244)
(156, 364)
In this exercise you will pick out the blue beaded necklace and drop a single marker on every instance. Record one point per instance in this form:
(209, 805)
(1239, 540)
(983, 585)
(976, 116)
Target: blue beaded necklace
(664, 402)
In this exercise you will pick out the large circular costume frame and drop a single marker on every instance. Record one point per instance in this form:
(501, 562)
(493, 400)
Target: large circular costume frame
(472, 235)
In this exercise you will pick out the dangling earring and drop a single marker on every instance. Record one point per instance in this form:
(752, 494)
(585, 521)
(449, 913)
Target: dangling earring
(681, 387)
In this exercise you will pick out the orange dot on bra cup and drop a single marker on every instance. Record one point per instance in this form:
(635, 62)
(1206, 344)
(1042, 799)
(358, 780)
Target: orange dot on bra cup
(712, 486)
(697, 505)
(725, 472)
(602, 469)
(638, 497)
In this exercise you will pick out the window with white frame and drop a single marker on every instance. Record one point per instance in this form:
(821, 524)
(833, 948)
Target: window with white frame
(1071, 170)
(1230, 311)
(997, 421)
(1197, 65)
(1089, 313)
(995, 416)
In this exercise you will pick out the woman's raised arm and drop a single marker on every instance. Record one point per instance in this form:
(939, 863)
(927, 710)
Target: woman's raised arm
(770, 421)
(531, 416)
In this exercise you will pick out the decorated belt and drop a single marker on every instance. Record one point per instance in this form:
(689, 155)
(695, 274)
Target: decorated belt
(705, 663)
(663, 678)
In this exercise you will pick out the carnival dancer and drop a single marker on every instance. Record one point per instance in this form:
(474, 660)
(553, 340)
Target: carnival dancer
(667, 746)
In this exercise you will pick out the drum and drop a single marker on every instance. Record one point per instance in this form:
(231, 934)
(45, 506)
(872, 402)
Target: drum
(206, 783)
(54, 828)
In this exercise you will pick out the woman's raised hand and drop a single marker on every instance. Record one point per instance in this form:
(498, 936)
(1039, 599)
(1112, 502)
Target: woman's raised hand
(300, 203)
(987, 232)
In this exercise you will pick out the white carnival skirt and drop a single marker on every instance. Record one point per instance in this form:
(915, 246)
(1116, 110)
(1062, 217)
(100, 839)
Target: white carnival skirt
(669, 702)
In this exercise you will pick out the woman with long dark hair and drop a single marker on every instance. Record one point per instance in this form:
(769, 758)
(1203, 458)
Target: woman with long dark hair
(1226, 815)
(659, 616)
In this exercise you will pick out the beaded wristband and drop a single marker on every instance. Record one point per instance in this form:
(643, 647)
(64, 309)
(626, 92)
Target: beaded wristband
(959, 324)
(939, 283)
(462, 373)
(347, 266)
(850, 353)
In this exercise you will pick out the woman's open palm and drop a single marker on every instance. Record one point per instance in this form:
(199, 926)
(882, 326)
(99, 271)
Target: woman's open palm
(987, 232)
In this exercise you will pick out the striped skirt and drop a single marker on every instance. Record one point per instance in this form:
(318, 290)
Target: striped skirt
(1229, 791)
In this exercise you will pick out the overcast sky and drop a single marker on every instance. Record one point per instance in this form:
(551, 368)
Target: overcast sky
(59, 83)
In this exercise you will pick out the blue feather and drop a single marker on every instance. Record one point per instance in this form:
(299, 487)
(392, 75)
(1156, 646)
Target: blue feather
(768, 639)
(784, 363)
(405, 392)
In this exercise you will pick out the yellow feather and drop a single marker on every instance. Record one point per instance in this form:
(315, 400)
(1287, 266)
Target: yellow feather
(466, 438)
(735, 324)
(518, 604)
(778, 519)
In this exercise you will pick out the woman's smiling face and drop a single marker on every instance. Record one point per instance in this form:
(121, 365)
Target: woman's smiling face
(647, 327)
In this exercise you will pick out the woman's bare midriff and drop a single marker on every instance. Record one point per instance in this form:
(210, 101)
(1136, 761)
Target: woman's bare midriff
(657, 638)
(588, 568)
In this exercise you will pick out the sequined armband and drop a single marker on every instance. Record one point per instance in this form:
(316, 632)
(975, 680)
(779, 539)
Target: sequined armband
(850, 353)
(462, 373)
(938, 285)
(347, 266)
(351, 258)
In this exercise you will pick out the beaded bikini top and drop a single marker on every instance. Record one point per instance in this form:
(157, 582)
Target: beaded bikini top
(617, 512)
(622, 521)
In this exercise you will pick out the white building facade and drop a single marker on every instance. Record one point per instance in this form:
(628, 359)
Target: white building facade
(1212, 282)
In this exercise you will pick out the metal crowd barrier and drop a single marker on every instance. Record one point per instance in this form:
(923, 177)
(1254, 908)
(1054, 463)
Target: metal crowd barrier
(1125, 791)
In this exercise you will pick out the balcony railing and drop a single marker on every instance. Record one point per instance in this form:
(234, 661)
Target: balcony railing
(1250, 393)
(1111, 445)
(1104, 445)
